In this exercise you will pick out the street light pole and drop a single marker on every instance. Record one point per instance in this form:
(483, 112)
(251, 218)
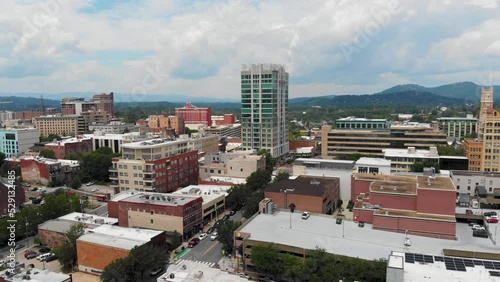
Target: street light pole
(27, 239)
(343, 228)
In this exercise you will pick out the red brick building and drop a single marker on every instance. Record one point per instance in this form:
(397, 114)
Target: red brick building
(104, 244)
(167, 212)
(154, 175)
(227, 119)
(62, 148)
(33, 114)
(44, 171)
(419, 205)
(16, 192)
(100, 102)
(195, 115)
(105, 102)
(308, 193)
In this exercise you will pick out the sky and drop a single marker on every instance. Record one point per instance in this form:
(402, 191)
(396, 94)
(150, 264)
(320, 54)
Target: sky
(197, 47)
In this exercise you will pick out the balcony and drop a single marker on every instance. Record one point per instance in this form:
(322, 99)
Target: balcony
(148, 171)
(113, 169)
(149, 179)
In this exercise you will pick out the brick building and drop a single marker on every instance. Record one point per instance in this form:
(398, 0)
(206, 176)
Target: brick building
(167, 212)
(104, 244)
(19, 196)
(308, 193)
(34, 113)
(226, 119)
(100, 102)
(52, 232)
(44, 171)
(79, 144)
(163, 121)
(194, 115)
(419, 205)
(105, 102)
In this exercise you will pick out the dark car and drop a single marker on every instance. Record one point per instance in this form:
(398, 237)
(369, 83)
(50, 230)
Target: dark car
(44, 250)
(226, 217)
(19, 246)
(265, 279)
(339, 221)
(232, 212)
(210, 230)
(193, 242)
(155, 271)
(490, 213)
(361, 224)
(480, 233)
(50, 258)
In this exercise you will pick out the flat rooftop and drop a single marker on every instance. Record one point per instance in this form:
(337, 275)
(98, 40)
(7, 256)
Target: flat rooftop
(153, 143)
(187, 271)
(207, 192)
(373, 161)
(68, 140)
(160, 199)
(64, 223)
(434, 268)
(120, 237)
(440, 183)
(350, 240)
(306, 185)
(404, 153)
(475, 173)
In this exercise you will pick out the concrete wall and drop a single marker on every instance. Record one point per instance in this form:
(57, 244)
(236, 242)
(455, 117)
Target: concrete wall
(422, 227)
(51, 238)
(303, 203)
(363, 215)
(155, 221)
(95, 256)
(359, 186)
(394, 201)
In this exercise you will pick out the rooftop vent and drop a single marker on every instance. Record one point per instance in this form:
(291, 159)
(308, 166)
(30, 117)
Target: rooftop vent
(315, 182)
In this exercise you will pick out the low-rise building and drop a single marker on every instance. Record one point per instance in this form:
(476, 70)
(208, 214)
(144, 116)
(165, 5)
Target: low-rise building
(307, 193)
(45, 171)
(402, 160)
(115, 141)
(372, 166)
(483, 186)
(420, 205)
(201, 142)
(64, 147)
(228, 130)
(165, 121)
(35, 275)
(114, 127)
(214, 199)
(99, 247)
(167, 212)
(17, 141)
(53, 232)
(458, 127)
(231, 165)
(226, 119)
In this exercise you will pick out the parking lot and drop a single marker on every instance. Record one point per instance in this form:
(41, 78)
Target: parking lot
(52, 266)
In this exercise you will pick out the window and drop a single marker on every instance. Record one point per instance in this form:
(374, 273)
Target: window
(152, 212)
(151, 221)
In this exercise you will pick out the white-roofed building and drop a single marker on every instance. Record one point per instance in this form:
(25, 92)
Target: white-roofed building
(403, 159)
(214, 198)
(107, 243)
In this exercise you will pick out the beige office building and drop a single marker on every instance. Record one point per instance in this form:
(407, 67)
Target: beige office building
(240, 166)
(60, 125)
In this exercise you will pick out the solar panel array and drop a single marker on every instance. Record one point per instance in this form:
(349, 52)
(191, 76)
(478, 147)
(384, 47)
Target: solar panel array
(455, 264)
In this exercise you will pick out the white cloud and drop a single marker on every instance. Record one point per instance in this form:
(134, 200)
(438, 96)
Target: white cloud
(209, 40)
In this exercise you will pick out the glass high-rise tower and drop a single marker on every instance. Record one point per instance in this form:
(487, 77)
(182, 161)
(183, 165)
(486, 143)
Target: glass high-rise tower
(264, 108)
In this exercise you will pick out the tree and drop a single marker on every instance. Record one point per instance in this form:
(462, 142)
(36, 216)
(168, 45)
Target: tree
(133, 267)
(419, 166)
(450, 150)
(265, 260)
(176, 240)
(2, 158)
(281, 176)
(252, 205)
(46, 153)
(237, 196)
(66, 253)
(6, 167)
(226, 234)
(258, 180)
(75, 183)
(50, 138)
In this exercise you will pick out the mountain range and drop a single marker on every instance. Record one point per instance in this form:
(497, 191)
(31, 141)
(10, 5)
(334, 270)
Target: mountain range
(407, 94)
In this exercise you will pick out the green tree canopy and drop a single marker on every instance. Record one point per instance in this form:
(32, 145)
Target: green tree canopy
(450, 150)
(66, 253)
(258, 180)
(226, 233)
(46, 153)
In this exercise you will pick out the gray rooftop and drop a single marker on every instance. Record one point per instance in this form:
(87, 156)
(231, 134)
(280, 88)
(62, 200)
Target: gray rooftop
(160, 199)
(350, 240)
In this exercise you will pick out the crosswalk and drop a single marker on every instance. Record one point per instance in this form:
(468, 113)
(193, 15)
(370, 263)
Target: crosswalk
(209, 264)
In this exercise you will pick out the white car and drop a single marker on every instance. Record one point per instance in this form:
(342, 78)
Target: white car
(477, 227)
(203, 236)
(305, 215)
(407, 242)
(244, 275)
(95, 190)
(90, 183)
(214, 236)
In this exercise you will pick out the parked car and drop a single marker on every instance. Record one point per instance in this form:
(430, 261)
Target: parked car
(95, 189)
(19, 246)
(34, 189)
(26, 185)
(203, 236)
(32, 198)
(491, 213)
(214, 236)
(361, 224)
(210, 230)
(407, 242)
(305, 215)
(226, 217)
(477, 227)
(32, 255)
(90, 183)
(155, 271)
(339, 221)
(231, 213)
(193, 242)
(492, 220)
(43, 257)
(26, 254)
(265, 279)
(44, 250)
(480, 233)
(50, 258)
(244, 275)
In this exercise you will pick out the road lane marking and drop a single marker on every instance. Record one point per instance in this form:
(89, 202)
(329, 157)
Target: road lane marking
(210, 248)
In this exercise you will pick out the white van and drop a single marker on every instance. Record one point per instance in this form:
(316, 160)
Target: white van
(42, 257)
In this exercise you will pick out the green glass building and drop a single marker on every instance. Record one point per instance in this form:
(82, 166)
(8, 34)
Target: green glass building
(264, 108)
